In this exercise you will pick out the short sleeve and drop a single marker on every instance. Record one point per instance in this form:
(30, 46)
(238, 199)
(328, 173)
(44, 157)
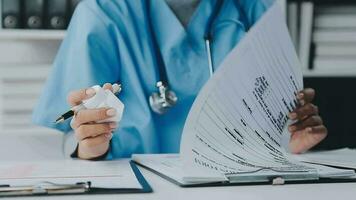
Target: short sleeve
(88, 56)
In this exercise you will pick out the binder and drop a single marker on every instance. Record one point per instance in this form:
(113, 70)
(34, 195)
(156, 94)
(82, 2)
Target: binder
(158, 165)
(33, 14)
(57, 17)
(49, 188)
(11, 14)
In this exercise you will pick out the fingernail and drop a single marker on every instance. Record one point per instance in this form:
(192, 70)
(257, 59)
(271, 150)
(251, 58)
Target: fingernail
(292, 128)
(90, 92)
(113, 125)
(109, 135)
(111, 112)
(292, 115)
(300, 96)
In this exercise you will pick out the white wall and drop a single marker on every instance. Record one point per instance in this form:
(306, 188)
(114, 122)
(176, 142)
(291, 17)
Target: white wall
(25, 61)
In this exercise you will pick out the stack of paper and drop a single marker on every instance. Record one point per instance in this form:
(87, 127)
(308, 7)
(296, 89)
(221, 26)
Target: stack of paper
(345, 158)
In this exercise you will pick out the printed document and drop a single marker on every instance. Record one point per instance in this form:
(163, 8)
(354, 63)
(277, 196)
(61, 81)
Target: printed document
(238, 123)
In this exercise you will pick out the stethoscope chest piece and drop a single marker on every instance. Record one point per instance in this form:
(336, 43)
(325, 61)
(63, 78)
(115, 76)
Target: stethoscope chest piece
(162, 100)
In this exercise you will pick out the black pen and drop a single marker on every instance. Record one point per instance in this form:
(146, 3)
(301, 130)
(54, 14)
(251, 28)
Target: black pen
(116, 89)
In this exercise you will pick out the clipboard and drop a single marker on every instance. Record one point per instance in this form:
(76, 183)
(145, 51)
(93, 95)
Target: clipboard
(272, 180)
(50, 189)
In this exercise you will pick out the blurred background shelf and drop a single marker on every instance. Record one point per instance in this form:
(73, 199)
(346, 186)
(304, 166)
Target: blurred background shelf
(19, 34)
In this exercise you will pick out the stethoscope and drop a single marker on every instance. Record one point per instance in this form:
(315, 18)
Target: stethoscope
(165, 98)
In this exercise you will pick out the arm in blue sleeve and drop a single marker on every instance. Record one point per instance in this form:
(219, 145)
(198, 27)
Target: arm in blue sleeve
(88, 56)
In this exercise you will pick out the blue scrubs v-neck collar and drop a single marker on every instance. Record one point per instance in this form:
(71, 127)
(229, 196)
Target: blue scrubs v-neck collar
(171, 33)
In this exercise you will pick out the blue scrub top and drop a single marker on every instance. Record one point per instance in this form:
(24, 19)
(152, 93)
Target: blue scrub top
(109, 41)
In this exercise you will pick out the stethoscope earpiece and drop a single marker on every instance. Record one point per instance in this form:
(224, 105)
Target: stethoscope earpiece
(162, 100)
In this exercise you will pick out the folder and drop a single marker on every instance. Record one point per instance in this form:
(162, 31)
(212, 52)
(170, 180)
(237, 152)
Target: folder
(11, 13)
(33, 13)
(57, 15)
(65, 177)
(170, 167)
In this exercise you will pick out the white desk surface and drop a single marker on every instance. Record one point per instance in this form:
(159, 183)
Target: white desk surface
(25, 148)
(166, 190)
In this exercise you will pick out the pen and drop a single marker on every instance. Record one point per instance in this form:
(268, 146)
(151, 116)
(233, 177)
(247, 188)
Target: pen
(116, 89)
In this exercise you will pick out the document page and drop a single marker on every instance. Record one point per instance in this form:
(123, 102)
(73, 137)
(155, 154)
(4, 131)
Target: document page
(238, 120)
(339, 158)
(171, 166)
(101, 174)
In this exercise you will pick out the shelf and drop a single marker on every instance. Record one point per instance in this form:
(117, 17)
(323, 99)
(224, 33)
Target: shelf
(19, 34)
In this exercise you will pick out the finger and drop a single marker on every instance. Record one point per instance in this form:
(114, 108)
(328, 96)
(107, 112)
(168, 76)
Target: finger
(308, 122)
(96, 141)
(92, 115)
(306, 96)
(76, 97)
(108, 86)
(92, 130)
(304, 111)
(302, 141)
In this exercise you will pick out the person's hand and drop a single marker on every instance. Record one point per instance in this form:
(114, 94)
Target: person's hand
(309, 129)
(93, 138)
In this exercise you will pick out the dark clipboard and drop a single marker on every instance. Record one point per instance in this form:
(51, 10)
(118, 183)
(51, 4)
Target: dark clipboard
(272, 181)
(146, 188)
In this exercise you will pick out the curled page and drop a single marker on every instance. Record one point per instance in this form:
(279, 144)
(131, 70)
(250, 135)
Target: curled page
(238, 120)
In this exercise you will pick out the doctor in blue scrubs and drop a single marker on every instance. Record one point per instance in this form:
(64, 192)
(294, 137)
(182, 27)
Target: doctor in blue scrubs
(111, 41)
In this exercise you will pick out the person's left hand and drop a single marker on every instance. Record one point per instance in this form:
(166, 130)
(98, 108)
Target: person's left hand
(309, 130)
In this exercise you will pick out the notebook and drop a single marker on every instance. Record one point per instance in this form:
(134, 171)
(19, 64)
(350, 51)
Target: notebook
(60, 177)
(236, 130)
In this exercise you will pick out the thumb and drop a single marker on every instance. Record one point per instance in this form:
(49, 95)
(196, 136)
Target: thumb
(76, 97)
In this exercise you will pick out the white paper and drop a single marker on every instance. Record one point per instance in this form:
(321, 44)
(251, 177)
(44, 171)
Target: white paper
(171, 166)
(105, 99)
(339, 158)
(101, 174)
(237, 122)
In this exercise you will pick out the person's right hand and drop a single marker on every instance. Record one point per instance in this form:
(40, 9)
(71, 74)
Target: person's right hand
(93, 138)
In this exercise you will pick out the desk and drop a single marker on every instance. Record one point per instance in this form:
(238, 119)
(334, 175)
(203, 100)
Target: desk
(164, 190)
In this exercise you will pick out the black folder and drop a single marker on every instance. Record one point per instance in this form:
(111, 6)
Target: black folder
(33, 14)
(11, 13)
(57, 14)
